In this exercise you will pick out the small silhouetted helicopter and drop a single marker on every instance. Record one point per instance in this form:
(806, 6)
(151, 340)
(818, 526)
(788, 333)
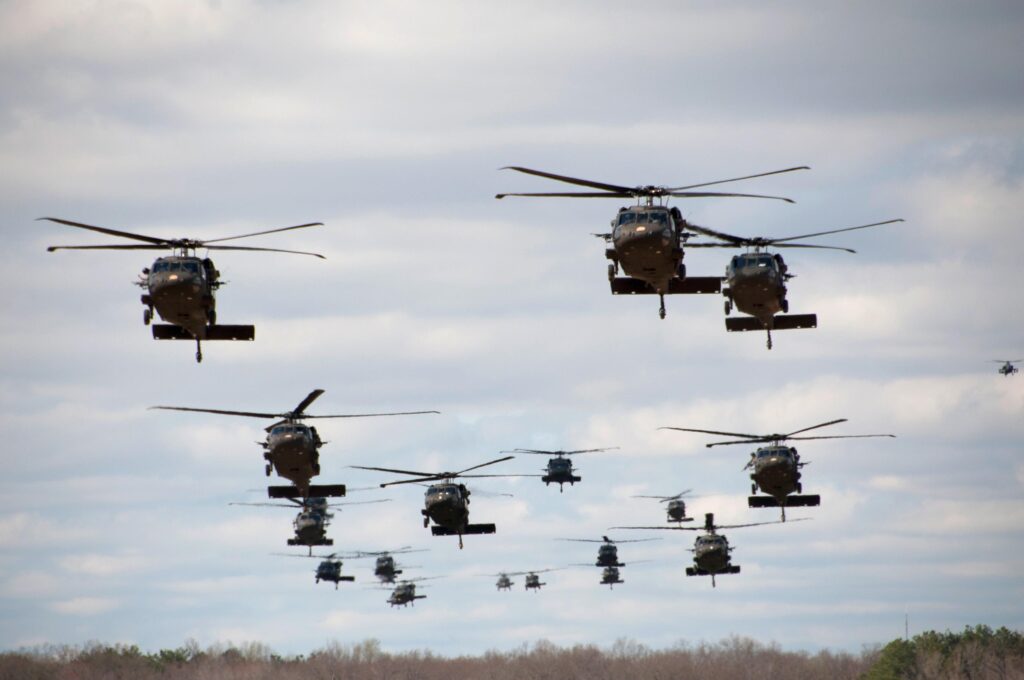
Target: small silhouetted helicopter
(311, 522)
(775, 468)
(608, 552)
(385, 568)
(292, 447)
(647, 240)
(404, 593)
(711, 552)
(446, 503)
(559, 469)
(181, 287)
(1008, 367)
(757, 280)
(676, 508)
(533, 581)
(329, 568)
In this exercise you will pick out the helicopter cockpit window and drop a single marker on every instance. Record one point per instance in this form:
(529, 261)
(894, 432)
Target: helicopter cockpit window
(277, 430)
(627, 218)
(658, 217)
(191, 266)
(160, 267)
(173, 266)
(764, 261)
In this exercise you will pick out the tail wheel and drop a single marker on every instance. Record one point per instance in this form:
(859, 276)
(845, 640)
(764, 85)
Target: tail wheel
(147, 316)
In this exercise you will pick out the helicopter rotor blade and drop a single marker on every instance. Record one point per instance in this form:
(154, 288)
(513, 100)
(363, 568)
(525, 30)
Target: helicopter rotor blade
(576, 194)
(812, 427)
(662, 529)
(155, 240)
(261, 233)
(343, 503)
(737, 179)
(755, 524)
(50, 249)
(297, 504)
(738, 240)
(843, 436)
(713, 194)
(373, 415)
(475, 467)
(724, 434)
(432, 478)
(247, 414)
(394, 470)
(833, 231)
(310, 398)
(263, 250)
(614, 188)
(810, 245)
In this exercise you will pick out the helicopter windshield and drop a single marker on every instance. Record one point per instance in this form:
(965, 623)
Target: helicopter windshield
(160, 266)
(627, 218)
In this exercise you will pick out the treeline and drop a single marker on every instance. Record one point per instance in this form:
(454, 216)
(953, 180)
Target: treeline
(978, 653)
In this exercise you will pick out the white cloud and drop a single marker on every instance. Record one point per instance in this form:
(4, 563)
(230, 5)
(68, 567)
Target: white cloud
(85, 606)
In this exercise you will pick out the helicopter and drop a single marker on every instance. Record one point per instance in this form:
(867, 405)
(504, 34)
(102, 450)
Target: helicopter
(533, 581)
(610, 577)
(404, 593)
(311, 522)
(559, 469)
(711, 552)
(181, 287)
(757, 280)
(292, 447)
(676, 508)
(1008, 367)
(385, 568)
(446, 503)
(608, 552)
(775, 468)
(329, 568)
(647, 240)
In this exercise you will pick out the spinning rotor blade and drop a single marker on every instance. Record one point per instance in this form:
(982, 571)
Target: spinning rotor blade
(1005, 361)
(50, 249)
(842, 436)
(373, 415)
(614, 188)
(560, 453)
(336, 505)
(596, 194)
(834, 231)
(737, 179)
(717, 234)
(310, 398)
(268, 231)
(754, 524)
(247, 414)
(724, 434)
(297, 504)
(111, 232)
(263, 250)
(397, 472)
(712, 194)
(475, 467)
(808, 245)
(812, 427)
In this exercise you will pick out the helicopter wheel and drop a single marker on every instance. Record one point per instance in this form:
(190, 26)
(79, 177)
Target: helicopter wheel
(147, 316)
(799, 487)
(212, 316)
(199, 352)
(426, 522)
(611, 272)
(661, 311)
(268, 469)
(728, 307)
(785, 306)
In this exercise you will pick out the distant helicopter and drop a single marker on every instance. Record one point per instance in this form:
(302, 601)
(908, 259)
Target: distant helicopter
(610, 577)
(757, 280)
(446, 503)
(676, 508)
(646, 239)
(311, 522)
(328, 570)
(533, 581)
(404, 593)
(1008, 367)
(292, 447)
(776, 468)
(559, 469)
(181, 287)
(608, 552)
(711, 552)
(385, 568)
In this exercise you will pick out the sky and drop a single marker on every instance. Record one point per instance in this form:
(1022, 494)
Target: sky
(389, 122)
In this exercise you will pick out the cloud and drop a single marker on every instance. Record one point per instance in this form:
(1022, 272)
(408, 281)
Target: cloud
(85, 606)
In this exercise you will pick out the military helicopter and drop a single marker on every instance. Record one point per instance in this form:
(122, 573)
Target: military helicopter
(647, 240)
(328, 570)
(610, 577)
(559, 469)
(404, 593)
(608, 552)
(446, 503)
(292, 447)
(676, 508)
(1008, 367)
(757, 280)
(775, 469)
(181, 287)
(533, 581)
(311, 522)
(385, 568)
(711, 552)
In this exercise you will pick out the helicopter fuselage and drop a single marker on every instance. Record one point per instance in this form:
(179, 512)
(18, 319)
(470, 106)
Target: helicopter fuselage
(293, 450)
(676, 510)
(447, 505)
(560, 471)
(310, 528)
(711, 554)
(504, 583)
(330, 570)
(1008, 369)
(757, 285)
(181, 290)
(608, 556)
(645, 243)
(385, 570)
(533, 582)
(610, 576)
(776, 470)
(404, 594)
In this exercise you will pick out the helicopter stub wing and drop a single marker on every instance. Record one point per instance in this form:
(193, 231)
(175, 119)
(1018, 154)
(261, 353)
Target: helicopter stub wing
(218, 332)
(791, 501)
(691, 285)
(469, 529)
(333, 490)
(781, 322)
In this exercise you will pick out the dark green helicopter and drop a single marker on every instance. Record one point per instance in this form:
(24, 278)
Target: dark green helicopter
(676, 508)
(559, 469)
(404, 593)
(608, 551)
(328, 570)
(775, 468)
(311, 523)
(385, 568)
(532, 582)
(446, 503)
(711, 552)
(292, 448)
(757, 280)
(647, 240)
(181, 287)
(1007, 369)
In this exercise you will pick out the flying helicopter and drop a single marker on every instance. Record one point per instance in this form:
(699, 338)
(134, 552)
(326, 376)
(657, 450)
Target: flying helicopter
(385, 568)
(610, 576)
(1008, 367)
(559, 469)
(533, 581)
(181, 287)
(647, 240)
(608, 551)
(676, 508)
(757, 280)
(292, 447)
(446, 503)
(711, 552)
(775, 468)
(311, 522)
(404, 593)
(329, 568)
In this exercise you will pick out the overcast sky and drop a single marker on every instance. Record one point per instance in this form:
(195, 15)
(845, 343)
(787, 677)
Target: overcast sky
(388, 122)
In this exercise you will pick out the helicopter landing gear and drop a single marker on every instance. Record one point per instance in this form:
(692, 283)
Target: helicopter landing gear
(728, 307)
(784, 306)
(268, 469)
(460, 541)
(769, 339)
(799, 487)
(426, 522)
(753, 488)
(611, 272)
(212, 316)
(147, 316)
(661, 310)
(681, 271)
(199, 352)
